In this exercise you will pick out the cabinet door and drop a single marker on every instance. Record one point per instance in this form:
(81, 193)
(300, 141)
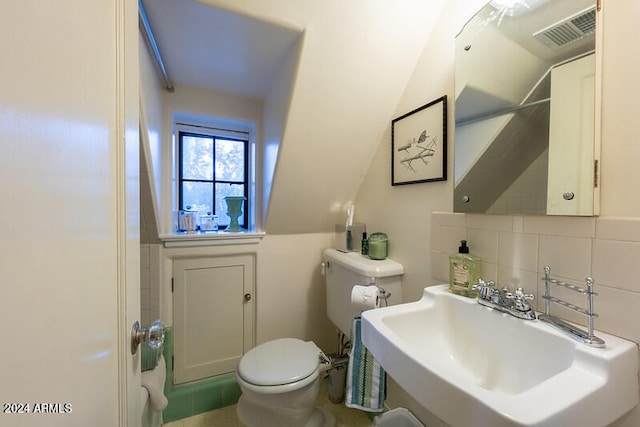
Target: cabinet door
(570, 188)
(213, 318)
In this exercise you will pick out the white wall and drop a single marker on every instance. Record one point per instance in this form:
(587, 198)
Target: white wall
(290, 293)
(620, 110)
(276, 110)
(403, 212)
(151, 136)
(150, 280)
(356, 60)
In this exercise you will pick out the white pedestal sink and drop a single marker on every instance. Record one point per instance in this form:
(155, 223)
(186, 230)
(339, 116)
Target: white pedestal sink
(474, 366)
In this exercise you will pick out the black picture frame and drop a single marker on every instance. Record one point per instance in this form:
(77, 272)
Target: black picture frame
(419, 144)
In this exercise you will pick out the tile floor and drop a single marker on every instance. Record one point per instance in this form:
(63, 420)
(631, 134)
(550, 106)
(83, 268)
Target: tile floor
(226, 417)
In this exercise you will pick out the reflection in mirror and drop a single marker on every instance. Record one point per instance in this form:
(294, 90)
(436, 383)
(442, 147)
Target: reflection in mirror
(524, 88)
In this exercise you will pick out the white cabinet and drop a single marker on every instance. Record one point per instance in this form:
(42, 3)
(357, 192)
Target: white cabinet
(570, 189)
(213, 312)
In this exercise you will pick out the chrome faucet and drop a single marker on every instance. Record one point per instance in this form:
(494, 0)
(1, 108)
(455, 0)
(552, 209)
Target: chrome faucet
(514, 303)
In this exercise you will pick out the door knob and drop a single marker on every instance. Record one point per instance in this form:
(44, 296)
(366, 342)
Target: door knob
(154, 335)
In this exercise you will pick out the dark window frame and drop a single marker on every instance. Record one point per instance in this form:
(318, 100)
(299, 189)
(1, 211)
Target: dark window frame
(214, 135)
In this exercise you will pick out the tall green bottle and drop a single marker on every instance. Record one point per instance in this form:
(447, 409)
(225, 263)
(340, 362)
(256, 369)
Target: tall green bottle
(464, 272)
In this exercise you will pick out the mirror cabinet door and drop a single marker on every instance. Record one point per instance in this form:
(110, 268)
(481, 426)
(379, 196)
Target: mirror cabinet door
(525, 99)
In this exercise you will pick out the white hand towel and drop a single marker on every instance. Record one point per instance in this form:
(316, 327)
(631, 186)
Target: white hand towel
(153, 381)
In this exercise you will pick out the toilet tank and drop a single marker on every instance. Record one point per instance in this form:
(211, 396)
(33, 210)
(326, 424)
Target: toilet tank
(344, 270)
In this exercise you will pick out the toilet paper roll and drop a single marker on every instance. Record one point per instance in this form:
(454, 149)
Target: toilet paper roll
(365, 297)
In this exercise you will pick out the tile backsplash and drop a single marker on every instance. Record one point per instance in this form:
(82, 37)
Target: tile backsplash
(149, 283)
(514, 250)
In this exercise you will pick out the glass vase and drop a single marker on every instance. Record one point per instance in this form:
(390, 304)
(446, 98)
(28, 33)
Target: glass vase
(234, 210)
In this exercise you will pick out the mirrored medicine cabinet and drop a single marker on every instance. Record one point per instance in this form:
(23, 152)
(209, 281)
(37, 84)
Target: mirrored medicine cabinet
(526, 109)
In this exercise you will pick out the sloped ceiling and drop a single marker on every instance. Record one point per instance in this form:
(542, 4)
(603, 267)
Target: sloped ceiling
(192, 37)
(356, 60)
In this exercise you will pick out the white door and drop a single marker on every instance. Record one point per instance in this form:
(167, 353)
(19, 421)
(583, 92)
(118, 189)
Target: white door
(69, 269)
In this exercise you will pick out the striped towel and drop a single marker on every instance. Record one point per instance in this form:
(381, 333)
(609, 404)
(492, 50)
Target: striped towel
(366, 380)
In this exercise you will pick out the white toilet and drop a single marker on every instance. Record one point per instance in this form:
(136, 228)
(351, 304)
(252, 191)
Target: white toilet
(280, 379)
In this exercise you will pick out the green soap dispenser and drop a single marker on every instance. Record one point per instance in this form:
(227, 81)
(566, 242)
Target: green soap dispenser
(464, 272)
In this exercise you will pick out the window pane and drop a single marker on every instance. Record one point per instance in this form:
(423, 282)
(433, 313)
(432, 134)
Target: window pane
(229, 160)
(223, 190)
(198, 195)
(197, 157)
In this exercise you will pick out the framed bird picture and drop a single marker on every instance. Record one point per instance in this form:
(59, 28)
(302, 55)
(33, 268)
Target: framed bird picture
(419, 144)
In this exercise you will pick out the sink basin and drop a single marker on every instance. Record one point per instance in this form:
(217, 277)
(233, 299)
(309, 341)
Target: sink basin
(471, 365)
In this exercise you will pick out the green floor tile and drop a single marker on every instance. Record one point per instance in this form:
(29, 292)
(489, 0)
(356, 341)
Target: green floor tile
(180, 404)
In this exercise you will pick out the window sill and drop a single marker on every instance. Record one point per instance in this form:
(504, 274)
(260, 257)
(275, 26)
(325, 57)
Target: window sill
(216, 238)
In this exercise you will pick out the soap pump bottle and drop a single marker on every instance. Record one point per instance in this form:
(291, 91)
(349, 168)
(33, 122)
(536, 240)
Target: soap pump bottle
(464, 272)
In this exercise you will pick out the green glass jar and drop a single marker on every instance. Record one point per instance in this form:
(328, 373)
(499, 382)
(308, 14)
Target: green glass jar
(378, 246)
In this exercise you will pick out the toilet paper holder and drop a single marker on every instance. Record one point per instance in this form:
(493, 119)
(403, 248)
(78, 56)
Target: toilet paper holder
(384, 295)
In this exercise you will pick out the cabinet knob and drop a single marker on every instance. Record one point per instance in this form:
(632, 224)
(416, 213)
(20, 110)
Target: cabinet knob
(568, 195)
(247, 297)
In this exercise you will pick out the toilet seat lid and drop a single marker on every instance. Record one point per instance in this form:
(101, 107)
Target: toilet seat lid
(278, 362)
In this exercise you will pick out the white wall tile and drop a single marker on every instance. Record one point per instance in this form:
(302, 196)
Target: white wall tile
(625, 229)
(618, 312)
(560, 226)
(518, 224)
(150, 273)
(436, 236)
(513, 278)
(518, 250)
(568, 257)
(484, 244)
(490, 222)
(449, 218)
(488, 271)
(144, 318)
(144, 257)
(615, 264)
(144, 279)
(451, 237)
(513, 251)
(144, 299)
(440, 266)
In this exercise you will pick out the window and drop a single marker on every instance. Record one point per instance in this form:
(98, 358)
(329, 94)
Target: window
(213, 165)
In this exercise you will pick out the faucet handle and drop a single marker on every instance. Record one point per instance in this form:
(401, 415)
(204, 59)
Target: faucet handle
(486, 290)
(482, 285)
(520, 298)
(479, 286)
(519, 295)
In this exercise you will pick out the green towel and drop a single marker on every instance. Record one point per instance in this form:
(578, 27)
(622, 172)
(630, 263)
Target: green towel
(366, 379)
(150, 357)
